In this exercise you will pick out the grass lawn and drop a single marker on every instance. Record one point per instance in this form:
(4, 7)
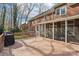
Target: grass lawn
(21, 36)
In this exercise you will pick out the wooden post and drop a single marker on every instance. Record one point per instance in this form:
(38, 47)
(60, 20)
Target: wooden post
(66, 31)
(35, 30)
(45, 30)
(53, 31)
(39, 29)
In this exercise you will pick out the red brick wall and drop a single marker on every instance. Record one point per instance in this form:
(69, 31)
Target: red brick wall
(24, 26)
(73, 10)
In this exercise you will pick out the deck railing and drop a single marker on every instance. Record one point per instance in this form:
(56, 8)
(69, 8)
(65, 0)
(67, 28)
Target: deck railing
(1, 42)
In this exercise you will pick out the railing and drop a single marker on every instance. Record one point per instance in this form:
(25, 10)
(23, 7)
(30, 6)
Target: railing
(1, 42)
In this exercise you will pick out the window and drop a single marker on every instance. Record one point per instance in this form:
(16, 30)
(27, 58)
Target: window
(37, 28)
(57, 11)
(61, 11)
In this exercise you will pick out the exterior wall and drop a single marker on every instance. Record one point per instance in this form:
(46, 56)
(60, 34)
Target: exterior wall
(31, 29)
(73, 10)
(43, 18)
(49, 17)
(61, 16)
(70, 11)
(24, 26)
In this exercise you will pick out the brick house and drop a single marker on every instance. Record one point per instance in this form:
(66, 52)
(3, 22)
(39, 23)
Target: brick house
(24, 26)
(61, 22)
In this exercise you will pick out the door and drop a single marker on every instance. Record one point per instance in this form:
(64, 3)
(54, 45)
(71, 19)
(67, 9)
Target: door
(73, 31)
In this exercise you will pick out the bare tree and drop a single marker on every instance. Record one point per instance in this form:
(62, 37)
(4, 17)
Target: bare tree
(3, 14)
(41, 7)
(11, 17)
(15, 14)
(30, 7)
(24, 10)
(20, 13)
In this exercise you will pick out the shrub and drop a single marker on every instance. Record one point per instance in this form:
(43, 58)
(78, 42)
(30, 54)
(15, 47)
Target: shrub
(15, 30)
(1, 30)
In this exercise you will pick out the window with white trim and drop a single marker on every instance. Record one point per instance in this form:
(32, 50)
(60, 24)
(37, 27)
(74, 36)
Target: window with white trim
(61, 10)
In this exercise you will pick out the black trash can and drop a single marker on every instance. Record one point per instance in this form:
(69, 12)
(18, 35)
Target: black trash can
(9, 38)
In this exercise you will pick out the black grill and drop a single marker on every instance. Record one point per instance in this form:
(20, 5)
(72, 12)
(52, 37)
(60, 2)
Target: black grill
(9, 38)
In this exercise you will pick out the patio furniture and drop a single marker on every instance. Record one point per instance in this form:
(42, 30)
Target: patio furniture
(1, 42)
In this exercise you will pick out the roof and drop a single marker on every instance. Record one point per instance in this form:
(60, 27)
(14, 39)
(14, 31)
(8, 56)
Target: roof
(50, 10)
(42, 14)
(59, 4)
(71, 4)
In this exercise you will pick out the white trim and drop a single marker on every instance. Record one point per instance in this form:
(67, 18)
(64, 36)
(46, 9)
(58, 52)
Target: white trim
(66, 31)
(39, 29)
(53, 30)
(36, 30)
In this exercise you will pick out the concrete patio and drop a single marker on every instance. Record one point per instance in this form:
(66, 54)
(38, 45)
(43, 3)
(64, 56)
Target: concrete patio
(39, 46)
